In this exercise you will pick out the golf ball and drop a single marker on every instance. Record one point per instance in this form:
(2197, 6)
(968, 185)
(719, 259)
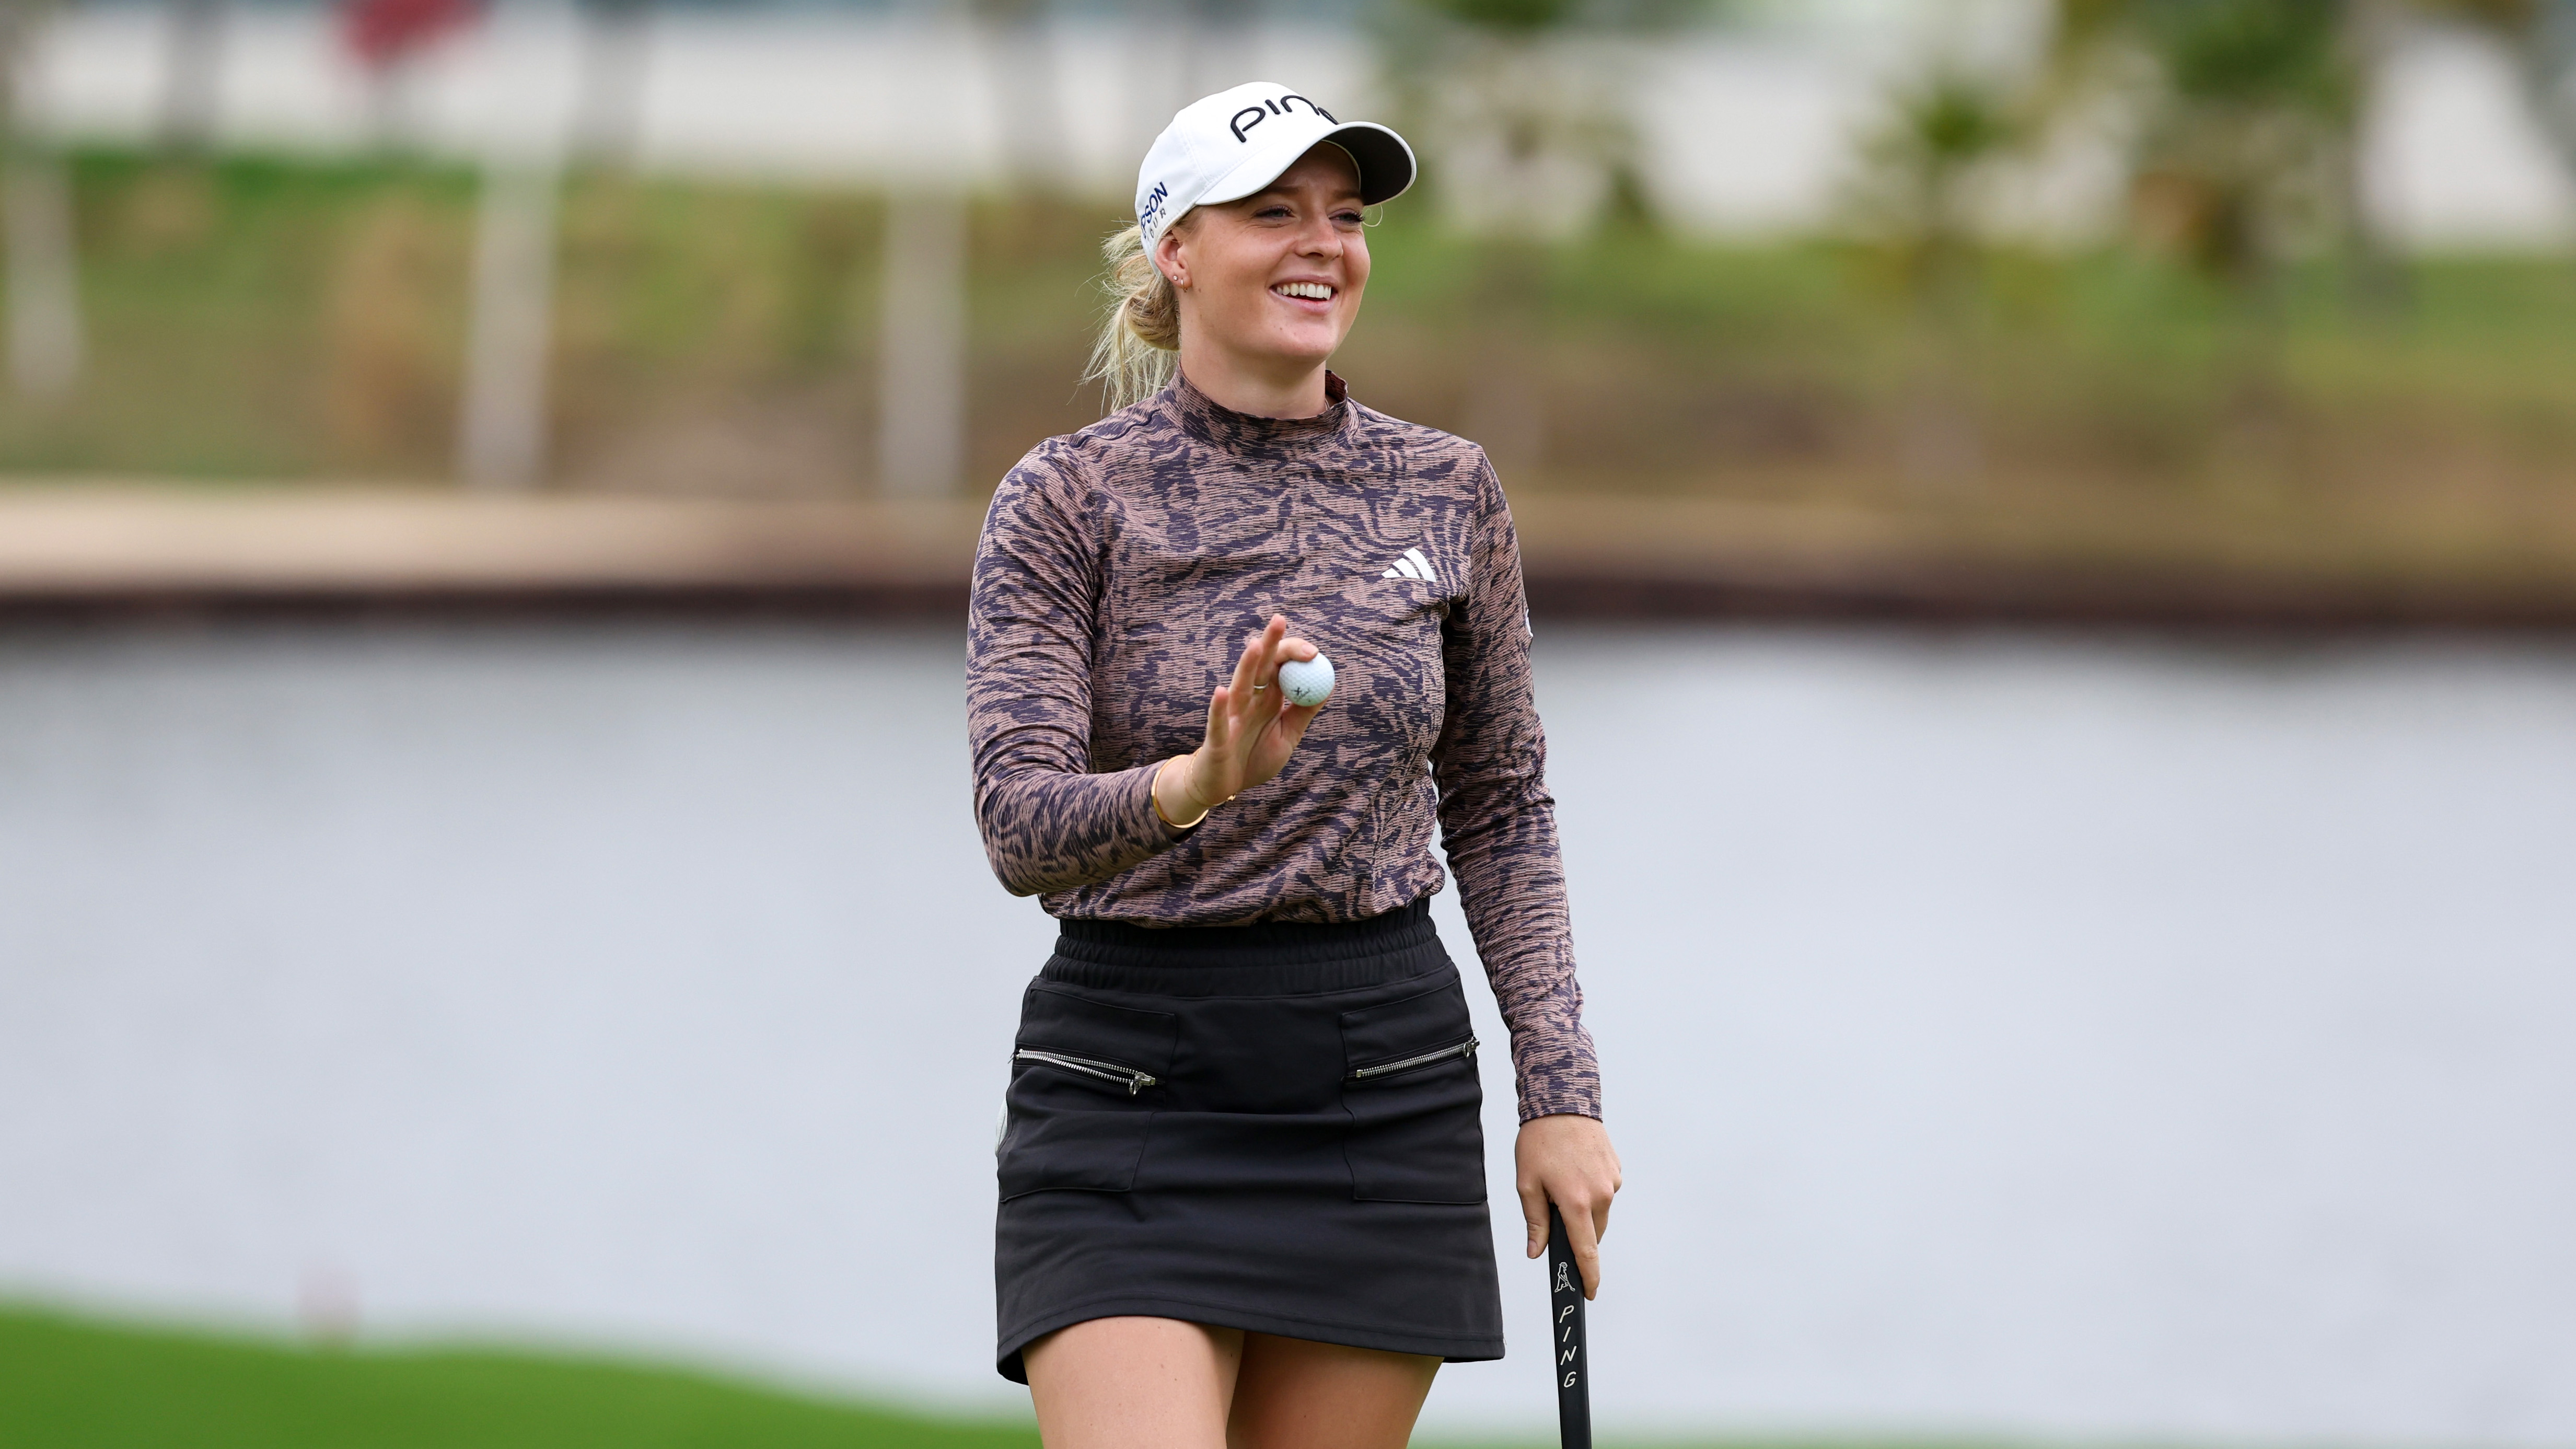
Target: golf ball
(1306, 681)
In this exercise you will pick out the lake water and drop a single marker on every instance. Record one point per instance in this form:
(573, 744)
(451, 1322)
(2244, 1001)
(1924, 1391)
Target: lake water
(2051, 1036)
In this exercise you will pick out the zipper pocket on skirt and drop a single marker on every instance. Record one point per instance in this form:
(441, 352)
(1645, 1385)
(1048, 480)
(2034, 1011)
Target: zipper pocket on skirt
(1130, 1078)
(1383, 1069)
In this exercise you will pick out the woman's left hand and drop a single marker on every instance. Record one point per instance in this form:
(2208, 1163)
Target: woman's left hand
(1568, 1160)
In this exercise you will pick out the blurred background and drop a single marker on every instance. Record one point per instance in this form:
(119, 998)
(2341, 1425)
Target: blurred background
(2078, 497)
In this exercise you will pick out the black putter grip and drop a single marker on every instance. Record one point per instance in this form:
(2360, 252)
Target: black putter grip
(1570, 1352)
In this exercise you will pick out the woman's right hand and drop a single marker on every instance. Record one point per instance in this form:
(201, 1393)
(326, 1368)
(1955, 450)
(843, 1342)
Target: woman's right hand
(1251, 731)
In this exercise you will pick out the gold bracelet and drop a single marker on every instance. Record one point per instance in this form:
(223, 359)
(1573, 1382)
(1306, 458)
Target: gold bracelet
(1157, 797)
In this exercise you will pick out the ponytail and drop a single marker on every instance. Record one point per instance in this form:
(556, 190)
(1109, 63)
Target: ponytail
(1138, 349)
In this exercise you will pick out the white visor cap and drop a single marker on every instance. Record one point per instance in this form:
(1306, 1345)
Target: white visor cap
(1229, 145)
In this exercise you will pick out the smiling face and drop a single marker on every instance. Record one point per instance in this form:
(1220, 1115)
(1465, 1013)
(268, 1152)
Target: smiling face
(1271, 284)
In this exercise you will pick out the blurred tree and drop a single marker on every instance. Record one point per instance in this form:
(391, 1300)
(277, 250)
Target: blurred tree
(2245, 149)
(2251, 107)
(1928, 171)
(1523, 111)
(1524, 104)
(1929, 167)
(2246, 111)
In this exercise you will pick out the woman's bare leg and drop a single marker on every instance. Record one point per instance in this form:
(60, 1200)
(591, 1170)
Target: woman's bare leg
(1292, 1394)
(1134, 1383)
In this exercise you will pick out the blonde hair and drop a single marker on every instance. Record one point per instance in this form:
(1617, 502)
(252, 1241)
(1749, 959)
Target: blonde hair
(1138, 349)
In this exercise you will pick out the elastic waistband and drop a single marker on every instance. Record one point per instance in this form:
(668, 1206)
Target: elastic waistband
(1267, 958)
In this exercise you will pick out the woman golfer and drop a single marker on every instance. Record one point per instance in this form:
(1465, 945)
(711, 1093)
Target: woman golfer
(1242, 1181)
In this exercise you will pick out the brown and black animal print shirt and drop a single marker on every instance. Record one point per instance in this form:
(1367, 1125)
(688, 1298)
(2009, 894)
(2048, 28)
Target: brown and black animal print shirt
(1119, 572)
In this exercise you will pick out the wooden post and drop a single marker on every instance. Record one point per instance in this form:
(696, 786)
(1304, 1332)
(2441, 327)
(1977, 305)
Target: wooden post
(45, 337)
(501, 427)
(921, 346)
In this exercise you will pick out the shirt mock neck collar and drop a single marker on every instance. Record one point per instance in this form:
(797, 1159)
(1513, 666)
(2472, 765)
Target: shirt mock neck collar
(1205, 418)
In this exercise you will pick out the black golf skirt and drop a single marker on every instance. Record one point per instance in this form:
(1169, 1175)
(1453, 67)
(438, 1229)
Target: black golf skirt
(1269, 1127)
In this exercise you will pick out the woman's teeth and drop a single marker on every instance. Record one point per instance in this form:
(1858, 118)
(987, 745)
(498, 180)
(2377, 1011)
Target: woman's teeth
(1316, 291)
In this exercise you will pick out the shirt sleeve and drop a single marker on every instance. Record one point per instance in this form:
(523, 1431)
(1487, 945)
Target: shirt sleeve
(1498, 824)
(1048, 822)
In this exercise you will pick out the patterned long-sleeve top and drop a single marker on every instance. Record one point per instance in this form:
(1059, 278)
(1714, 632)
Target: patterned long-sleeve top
(1120, 571)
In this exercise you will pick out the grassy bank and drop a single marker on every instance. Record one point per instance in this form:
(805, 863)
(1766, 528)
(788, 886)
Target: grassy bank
(76, 1383)
(263, 319)
(67, 1383)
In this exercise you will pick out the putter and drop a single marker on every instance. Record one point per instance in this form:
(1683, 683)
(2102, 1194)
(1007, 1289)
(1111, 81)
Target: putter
(1568, 1351)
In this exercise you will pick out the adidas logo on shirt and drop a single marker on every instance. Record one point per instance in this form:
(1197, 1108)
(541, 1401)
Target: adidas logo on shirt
(1412, 565)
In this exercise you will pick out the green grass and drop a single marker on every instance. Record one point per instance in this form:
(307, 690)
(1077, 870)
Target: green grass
(71, 1381)
(74, 1383)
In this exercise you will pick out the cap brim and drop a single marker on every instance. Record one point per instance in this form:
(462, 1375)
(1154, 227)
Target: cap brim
(1384, 160)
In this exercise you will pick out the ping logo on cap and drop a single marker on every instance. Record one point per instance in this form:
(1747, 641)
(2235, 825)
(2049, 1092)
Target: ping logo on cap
(1190, 166)
(1251, 116)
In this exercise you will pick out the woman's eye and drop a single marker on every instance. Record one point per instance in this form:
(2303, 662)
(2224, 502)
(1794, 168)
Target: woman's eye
(1347, 218)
